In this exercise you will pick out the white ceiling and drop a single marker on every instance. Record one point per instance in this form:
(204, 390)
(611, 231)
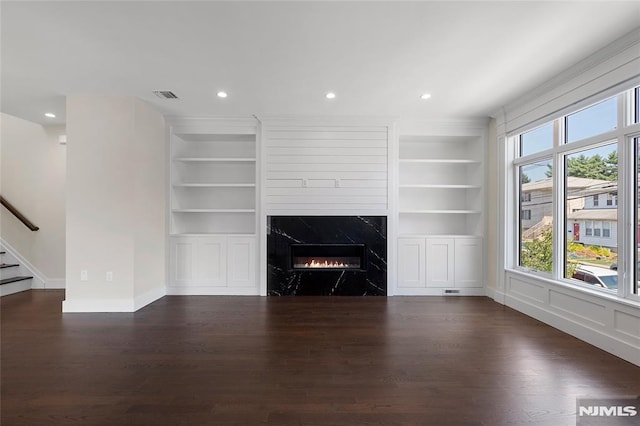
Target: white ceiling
(282, 57)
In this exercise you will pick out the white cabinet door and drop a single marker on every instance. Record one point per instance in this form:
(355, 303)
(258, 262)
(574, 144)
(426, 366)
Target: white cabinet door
(182, 261)
(211, 261)
(468, 262)
(241, 261)
(440, 262)
(411, 258)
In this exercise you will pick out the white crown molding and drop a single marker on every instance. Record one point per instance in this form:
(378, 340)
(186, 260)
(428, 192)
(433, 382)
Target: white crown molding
(326, 120)
(595, 60)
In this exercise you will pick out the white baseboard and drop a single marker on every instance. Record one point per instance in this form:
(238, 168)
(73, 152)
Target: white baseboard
(151, 296)
(113, 305)
(590, 335)
(55, 283)
(98, 305)
(462, 291)
(211, 291)
(496, 295)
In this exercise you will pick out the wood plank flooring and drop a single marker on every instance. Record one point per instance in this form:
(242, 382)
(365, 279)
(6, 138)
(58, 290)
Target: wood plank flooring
(199, 360)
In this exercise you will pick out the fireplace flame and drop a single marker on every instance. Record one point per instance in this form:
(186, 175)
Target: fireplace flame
(325, 264)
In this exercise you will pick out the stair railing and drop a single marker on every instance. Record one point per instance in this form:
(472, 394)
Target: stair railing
(17, 214)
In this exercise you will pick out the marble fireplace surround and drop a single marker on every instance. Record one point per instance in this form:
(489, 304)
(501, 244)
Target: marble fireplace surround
(283, 279)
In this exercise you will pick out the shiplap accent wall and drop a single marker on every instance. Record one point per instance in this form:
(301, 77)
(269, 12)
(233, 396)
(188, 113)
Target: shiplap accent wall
(319, 168)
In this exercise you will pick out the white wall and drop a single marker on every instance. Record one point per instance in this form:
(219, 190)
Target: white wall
(150, 207)
(115, 204)
(492, 206)
(33, 165)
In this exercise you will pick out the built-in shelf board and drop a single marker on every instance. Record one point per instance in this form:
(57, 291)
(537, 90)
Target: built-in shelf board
(216, 159)
(212, 234)
(441, 211)
(433, 186)
(214, 185)
(437, 235)
(214, 210)
(439, 160)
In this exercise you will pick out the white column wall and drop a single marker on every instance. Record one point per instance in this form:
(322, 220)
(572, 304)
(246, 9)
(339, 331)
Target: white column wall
(112, 162)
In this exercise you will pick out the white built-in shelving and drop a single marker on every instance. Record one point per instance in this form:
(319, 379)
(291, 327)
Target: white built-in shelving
(440, 185)
(213, 182)
(440, 213)
(213, 206)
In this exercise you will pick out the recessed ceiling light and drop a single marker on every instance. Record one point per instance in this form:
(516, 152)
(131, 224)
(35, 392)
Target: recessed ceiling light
(49, 115)
(330, 95)
(425, 96)
(222, 94)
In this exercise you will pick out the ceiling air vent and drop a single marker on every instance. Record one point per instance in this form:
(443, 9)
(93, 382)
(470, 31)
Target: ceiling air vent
(165, 94)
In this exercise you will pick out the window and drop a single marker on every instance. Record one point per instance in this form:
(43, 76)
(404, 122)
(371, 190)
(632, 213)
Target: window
(597, 228)
(589, 174)
(635, 250)
(594, 120)
(536, 140)
(588, 228)
(536, 221)
(611, 200)
(597, 213)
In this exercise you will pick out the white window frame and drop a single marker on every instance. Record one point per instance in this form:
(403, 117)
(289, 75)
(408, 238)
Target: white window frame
(623, 135)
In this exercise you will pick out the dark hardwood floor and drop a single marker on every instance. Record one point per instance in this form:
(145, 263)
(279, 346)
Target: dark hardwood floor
(296, 361)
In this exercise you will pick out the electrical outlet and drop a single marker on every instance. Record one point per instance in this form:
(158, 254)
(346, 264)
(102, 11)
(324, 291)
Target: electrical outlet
(338, 183)
(84, 275)
(109, 277)
(305, 183)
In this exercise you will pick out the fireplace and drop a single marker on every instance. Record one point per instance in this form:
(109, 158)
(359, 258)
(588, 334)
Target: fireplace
(327, 255)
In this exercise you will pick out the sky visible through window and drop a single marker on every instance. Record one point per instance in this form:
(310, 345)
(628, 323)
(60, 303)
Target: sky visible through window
(591, 121)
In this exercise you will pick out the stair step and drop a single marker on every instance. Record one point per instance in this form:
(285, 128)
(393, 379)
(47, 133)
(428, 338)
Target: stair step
(8, 265)
(13, 280)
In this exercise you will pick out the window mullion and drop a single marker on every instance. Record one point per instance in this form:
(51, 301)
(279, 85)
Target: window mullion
(559, 222)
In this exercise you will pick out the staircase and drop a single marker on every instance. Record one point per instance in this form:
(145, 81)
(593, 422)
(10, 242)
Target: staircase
(12, 279)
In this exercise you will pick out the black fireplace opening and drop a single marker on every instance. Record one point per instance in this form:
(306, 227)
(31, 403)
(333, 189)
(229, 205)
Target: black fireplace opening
(328, 257)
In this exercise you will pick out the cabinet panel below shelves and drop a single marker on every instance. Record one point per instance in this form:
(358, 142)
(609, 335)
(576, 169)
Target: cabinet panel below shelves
(213, 265)
(439, 263)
